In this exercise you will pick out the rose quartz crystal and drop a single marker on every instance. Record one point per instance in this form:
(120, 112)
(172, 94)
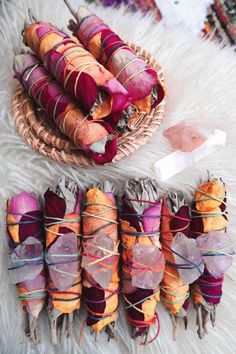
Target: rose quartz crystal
(63, 258)
(98, 247)
(217, 251)
(26, 261)
(146, 263)
(187, 255)
(184, 136)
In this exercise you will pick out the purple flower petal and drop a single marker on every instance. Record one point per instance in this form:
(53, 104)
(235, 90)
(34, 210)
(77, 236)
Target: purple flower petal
(23, 203)
(152, 224)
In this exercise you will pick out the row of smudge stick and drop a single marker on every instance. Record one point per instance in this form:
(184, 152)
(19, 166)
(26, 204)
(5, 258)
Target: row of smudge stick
(170, 252)
(91, 85)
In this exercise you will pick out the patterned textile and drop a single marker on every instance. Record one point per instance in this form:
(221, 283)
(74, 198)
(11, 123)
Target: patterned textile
(221, 21)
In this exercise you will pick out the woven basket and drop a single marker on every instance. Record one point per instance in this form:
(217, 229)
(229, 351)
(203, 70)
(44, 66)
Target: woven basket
(45, 138)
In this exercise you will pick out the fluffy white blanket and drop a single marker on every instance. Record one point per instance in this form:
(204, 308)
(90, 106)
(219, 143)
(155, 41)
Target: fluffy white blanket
(201, 88)
(176, 12)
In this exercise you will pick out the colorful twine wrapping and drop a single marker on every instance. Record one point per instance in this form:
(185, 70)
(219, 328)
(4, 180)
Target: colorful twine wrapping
(63, 111)
(100, 222)
(76, 70)
(208, 214)
(129, 69)
(24, 223)
(175, 218)
(62, 219)
(140, 222)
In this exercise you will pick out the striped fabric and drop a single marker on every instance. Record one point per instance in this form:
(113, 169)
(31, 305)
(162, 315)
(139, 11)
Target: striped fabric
(221, 20)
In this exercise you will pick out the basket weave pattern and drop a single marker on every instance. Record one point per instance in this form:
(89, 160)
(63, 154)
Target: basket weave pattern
(45, 138)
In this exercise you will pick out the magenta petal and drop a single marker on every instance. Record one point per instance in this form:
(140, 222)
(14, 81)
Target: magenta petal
(110, 41)
(186, 304)
(87, 89)
(61, 107)
(160, 95)
(54, 206)
(211, 287)
(110, 149)
(182, 220)
(152, 224)
(26, 209)
(28, 228)
(23, 203)
(137, 297)
(110, 153)
(97, 295)
(49, 98)
(148, 80)
(64, 230)
(121, 98)
(42, 30)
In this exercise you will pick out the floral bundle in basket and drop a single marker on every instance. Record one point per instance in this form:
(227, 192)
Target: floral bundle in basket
(90, 92)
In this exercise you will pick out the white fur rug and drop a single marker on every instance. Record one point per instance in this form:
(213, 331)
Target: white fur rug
(191, 14)
(201, 81)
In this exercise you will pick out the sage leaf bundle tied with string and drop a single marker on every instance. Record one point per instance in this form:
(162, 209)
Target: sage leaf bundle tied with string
(142, 259)
(26, 258)
(63, 256)
(100, 259)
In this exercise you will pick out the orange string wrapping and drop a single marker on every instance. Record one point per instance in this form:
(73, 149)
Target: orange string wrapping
(146, 305)
(173, 291)
(100, 218)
